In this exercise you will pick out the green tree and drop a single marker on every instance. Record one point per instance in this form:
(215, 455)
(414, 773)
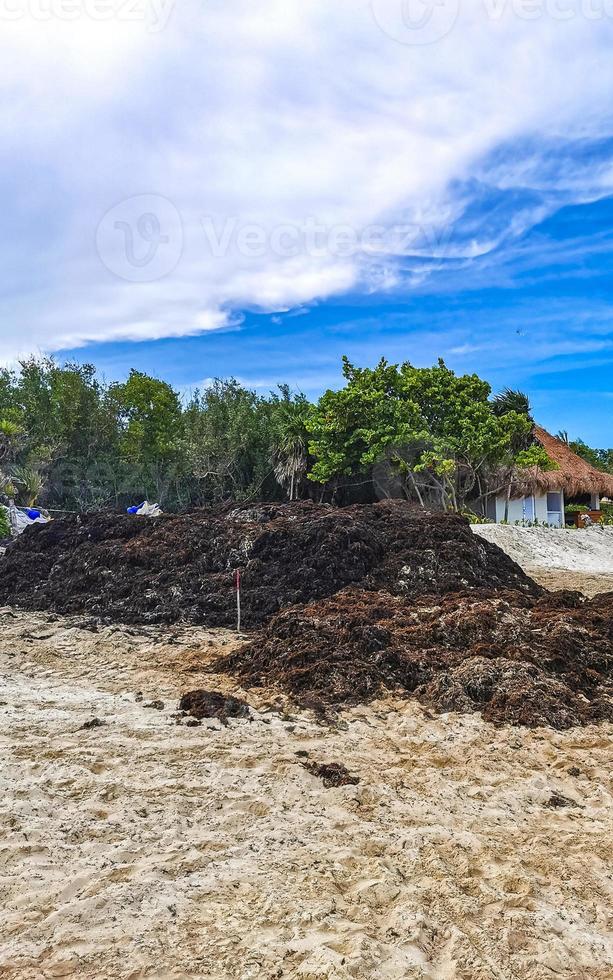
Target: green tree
(149, 420)
(8, 401)
(534, 456)
(435, 429)
(511, 400)
(424, 432)
(601, 459)
(9, 441)
(228, 433)
(290, 439)
(148, 413)
(9, 435)
(64, 426)
(357, 426)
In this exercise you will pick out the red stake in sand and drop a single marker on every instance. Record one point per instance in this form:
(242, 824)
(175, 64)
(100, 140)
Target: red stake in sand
(237, 585)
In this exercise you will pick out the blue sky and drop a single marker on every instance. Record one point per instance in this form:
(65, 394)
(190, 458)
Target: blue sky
(202, 190)
(535, 314)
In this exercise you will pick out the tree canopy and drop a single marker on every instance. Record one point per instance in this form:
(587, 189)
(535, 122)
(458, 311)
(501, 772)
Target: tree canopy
(70, 440)
(435, 432)
(602, 459)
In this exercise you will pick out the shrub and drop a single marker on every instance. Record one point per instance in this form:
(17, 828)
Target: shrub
(473, 518)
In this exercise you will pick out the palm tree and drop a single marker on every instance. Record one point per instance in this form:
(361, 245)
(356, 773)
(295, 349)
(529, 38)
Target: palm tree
(8, 434)
(29, 482)
(289, 454)
(511, 400)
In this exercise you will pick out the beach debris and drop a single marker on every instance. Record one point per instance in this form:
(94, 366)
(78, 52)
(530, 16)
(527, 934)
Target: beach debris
(332, 774)
(145, 510)
(515, 658)
(203, 704)
(351, 604)
(559, 801)
(182, 567)
(93, 723)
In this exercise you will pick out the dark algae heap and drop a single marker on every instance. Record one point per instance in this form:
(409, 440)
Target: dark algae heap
(341, 605)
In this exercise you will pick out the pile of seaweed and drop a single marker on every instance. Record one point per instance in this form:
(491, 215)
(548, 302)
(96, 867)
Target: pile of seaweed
(352, 604)
(517, 658)
(180, 567)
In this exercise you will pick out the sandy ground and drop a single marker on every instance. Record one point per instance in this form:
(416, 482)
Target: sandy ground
(558, 559)
(143, 848)
(560, 578)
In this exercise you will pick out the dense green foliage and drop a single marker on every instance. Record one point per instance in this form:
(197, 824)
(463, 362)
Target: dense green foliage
(509, 400)
(68, 440)
(602, 459)
(535, 456)
(74, 442)
(429, 432)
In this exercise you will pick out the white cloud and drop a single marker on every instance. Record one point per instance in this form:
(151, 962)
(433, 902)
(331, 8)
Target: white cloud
(269, 114)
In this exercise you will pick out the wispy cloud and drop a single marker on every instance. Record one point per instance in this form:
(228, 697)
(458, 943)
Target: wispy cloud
(277, 114)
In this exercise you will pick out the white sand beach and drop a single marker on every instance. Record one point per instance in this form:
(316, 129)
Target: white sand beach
(143, 848)
(558, 558)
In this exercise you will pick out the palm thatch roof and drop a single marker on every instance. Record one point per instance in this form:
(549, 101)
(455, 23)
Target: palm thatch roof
(574, 475)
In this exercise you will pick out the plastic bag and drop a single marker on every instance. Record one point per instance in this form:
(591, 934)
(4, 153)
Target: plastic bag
(145, 510)
(20, 518)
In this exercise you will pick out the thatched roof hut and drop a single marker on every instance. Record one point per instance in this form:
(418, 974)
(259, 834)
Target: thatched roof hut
(574, 475)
